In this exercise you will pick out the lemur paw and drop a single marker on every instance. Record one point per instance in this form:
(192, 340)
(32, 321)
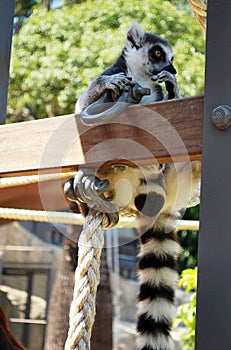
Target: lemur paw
(164, 76)
(118, 82)
(170, 83)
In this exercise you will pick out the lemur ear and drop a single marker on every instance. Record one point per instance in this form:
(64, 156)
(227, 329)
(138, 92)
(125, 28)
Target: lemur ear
(135, 36)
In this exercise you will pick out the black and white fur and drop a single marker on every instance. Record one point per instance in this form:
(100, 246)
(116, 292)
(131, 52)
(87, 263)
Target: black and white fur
(139, 61)
(156, 194)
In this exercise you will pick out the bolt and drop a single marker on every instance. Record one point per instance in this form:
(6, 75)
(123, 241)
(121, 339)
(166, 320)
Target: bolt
(221, 117)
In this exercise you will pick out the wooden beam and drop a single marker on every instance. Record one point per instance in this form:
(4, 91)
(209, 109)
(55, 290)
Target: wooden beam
(164, 131)
(47, 195)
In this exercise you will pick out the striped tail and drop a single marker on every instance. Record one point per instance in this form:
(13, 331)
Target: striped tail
(158, 278)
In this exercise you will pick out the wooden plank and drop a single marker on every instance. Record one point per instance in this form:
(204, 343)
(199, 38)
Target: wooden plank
(164, 131)
(45, 195)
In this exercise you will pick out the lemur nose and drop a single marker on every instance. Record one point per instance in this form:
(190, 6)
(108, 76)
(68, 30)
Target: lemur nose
(170, 68)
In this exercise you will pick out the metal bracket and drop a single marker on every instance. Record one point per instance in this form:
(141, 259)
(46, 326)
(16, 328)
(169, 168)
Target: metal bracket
(89, 189)
(106, 109)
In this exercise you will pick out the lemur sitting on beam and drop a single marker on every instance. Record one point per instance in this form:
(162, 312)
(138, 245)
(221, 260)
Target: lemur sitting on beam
(158, 193)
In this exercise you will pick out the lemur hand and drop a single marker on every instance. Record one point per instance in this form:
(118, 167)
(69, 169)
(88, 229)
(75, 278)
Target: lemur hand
(170, 83)
(164, 76)
(117, 82)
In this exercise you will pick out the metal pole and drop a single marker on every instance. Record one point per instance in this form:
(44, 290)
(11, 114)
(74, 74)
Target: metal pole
(214, 283)
(6, 29)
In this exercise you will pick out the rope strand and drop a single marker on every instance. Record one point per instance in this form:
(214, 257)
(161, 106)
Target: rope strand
(87, 277)
(30, 179)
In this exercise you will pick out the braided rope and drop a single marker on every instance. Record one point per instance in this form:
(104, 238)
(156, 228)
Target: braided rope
(41, 216)
(87, 276)
(73, 218)
(199, 8)
(29, 179)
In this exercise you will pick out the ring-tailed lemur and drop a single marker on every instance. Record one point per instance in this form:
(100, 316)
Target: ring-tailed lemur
(147, 58)
(157, 194)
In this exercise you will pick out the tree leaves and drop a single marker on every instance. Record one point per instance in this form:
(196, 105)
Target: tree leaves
(57, 53)
(187, 312)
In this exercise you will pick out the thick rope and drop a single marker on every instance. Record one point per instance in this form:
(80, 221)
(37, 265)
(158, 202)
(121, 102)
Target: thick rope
(199, 8)
(87, 277)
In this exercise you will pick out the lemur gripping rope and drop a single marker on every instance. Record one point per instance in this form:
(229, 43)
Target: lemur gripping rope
(157, 193)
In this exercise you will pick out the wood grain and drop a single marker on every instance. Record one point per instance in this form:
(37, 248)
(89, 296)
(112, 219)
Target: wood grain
(164, 131)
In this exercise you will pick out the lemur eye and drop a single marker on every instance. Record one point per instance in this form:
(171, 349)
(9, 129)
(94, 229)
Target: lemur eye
(158, 53)
(120, 167)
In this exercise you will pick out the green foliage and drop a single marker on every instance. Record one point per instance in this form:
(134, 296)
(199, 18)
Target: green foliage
(72, 2)
(23, 9)
(182, 4)
(189, 241)
(188, 280)
(187, 311)
(57, 53)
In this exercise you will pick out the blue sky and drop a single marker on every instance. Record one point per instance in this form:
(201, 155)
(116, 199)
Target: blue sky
(56, 3)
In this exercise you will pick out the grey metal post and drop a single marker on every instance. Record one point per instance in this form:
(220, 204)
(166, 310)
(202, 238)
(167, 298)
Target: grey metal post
(214, 285)
(6, 29)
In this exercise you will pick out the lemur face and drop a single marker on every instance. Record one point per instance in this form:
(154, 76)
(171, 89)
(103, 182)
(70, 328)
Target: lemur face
(152, 190)
(159, 58)
(136, 190)
(148, 53)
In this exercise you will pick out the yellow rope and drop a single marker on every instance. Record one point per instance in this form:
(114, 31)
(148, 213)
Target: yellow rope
(25, 180)
(42, 216)
(74, 219)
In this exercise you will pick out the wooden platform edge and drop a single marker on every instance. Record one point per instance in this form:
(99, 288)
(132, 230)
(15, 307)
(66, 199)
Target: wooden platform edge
(164, 132)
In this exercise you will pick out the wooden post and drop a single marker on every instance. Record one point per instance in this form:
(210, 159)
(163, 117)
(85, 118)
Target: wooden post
(214, 286)
(6, 28)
